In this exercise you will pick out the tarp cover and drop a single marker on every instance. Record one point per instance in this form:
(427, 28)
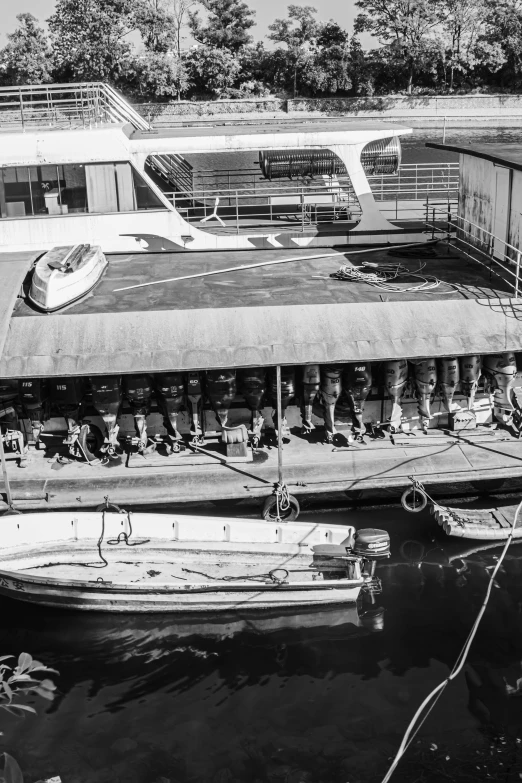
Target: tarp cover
(13, 269)
(154, 341)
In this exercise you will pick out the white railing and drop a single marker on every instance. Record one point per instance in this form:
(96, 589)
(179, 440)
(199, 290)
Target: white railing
(477, 243)
(83, 104)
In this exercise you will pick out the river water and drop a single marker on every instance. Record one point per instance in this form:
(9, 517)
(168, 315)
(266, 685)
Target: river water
(149, 699)
(152, 700)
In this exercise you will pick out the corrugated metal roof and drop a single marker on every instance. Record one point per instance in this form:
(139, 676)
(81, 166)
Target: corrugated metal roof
(502, 153)
(154, 341)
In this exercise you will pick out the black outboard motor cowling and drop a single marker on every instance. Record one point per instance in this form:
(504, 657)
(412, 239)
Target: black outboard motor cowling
(311, 386)
(357, 383)
(372, 545)
(194, 396)
(287, 392)
(221, 389)
(252, 385)
(138, 391)
(170, 396)
(33, 394)
(67, 395)
(107, 396)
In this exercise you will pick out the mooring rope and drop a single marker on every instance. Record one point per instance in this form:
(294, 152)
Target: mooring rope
(381, 275)
(432, 698)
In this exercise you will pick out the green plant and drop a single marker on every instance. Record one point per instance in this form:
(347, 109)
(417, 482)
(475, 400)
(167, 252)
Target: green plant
(16, 681)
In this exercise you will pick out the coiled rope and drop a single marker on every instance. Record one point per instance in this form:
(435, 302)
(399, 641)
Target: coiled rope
(381, 275)
(432, 698)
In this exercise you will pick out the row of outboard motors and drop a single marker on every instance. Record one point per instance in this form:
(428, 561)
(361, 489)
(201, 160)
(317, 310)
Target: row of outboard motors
(315, 384)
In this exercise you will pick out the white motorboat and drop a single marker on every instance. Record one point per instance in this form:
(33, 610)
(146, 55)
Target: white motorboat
(65, 274)
(123, 562)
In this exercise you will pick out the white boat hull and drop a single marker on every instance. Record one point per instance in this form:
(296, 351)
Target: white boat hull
(82, 561)
(53, 288)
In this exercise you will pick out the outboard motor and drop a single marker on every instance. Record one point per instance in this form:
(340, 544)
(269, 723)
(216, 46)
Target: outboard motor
(10, 431)
(194, 396)
(371, 545)
(395, 380)
(170, 396)
(287, 392)
(221, 388)
(502, 369)
(33, 394)
(449, 375)
(311, 386)
(331, 387)
(252, 385)
(357, 384)
(470, 371)
(67, 395)
(106, 399)
(425, 373)
(138, 391)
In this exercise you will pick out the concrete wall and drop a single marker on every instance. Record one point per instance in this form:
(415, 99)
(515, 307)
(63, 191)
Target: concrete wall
(494, 107)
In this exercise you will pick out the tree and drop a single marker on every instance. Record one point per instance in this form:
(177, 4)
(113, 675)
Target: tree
(404, 25)
(464, 25)
(180, 9)
(89, 38)
(155, 75)
(213, 70)
(298, 31)
(155, 23)
(26, 58)
(504, 32)
(227, 24)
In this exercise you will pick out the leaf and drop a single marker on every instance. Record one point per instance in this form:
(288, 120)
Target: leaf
(24, 661)
(12, 772)
(5, 657)
(13, 709)
(44, 693)
(48, 685)
(8, 691)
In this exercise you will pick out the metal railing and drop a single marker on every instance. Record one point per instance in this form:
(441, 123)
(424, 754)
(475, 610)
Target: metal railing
(249, 202)
(83, 104)
(499, 257)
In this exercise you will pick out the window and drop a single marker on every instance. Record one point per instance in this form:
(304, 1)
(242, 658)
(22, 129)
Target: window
(77, 187)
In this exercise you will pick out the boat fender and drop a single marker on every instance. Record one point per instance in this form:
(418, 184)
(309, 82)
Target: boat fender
(288, 514)
(414, 500)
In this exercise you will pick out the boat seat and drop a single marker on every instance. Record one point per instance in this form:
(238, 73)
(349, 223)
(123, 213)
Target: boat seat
(329, 550)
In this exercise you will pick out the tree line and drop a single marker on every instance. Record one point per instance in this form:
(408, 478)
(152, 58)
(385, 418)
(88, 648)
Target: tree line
(139, 46)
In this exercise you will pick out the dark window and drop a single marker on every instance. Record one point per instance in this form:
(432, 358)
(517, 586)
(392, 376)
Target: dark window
(76, 187)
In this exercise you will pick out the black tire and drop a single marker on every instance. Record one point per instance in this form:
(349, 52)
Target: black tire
(413, 500)
(269, 512)
(488, 485)
(354, 494)
(91, 441)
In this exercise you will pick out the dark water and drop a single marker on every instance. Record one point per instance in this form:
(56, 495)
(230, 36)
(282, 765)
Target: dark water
(146, 700)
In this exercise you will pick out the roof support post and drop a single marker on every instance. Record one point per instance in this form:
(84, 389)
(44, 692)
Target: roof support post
(279, 405)
(4, 473)
(372, 219)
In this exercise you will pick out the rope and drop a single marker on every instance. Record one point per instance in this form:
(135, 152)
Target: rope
(282, 497)
(255, 577)
(381, 276)
(125, 536)
(433, 697)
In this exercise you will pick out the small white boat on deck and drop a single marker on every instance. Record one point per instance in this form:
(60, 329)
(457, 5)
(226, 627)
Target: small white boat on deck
(123, 562)
(65, 274)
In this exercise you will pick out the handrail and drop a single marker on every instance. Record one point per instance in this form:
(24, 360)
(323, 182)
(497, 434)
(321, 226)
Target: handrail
(53, 105)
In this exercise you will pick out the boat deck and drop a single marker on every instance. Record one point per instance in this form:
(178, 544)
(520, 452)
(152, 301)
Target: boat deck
(153, 562)
(306, 281)
(310, 467)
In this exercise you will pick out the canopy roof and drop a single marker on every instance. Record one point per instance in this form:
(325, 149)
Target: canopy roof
(503, 154)
(291, 313)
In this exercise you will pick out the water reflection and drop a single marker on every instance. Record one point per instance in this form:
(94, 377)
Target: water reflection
(316, 696)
